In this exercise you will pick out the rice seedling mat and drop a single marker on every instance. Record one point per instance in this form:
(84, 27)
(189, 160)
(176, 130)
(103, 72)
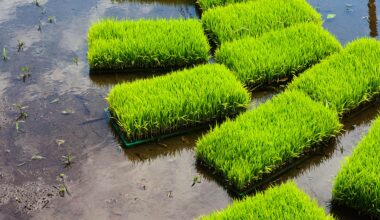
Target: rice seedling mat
(357, 184)
(262, 141)
(276, 55)
(285, 201)
(141, 44)
(149, 109)
(345, 80)
(255, 18)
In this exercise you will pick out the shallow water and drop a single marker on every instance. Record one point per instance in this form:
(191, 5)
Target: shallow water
(148, 182)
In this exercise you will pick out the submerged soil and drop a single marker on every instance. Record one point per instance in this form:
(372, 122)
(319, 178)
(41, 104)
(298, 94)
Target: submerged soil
(58, 110)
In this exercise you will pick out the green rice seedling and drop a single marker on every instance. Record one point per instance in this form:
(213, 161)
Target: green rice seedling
(254, 18)
(262, 141)
(285, 201)
(151, 107)
(277, 54)
(146, 44)
(345, 80)
(357, 184)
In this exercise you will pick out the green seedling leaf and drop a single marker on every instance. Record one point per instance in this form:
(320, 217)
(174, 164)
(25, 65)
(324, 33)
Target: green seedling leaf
(196, 179)
(68, 159)
(51, 19)
(54, 101)
(20, 45)
(59, 142)
(4, 55)
(67, 112)
(38, 157)
(74, 60)
(331, 16)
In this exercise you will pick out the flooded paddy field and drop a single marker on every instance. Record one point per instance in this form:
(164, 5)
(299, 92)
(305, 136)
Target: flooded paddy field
(54, 133)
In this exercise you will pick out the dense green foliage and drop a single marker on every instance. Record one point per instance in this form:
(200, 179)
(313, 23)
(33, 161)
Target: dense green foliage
(358, 182)
(147, 108)
(260, 141)
(277, 54)
(146, 44)
(346, 79)
(254, 18)
(279, 202)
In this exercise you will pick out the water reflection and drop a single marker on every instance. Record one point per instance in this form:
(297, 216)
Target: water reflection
(164, 2)
(372, 18)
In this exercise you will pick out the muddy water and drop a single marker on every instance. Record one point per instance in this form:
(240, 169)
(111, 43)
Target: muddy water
(63, 101)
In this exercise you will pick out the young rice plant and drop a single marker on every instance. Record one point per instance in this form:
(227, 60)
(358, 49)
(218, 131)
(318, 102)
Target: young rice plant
(277, 54)
(152, 107)
(357, 184)
(263, 140)
(285, 201)
(346, 79)
(254, 18)
(157, 43)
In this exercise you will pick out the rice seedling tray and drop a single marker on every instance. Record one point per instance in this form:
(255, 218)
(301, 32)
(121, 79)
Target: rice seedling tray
(357, 184)
(266, 178)
(254, 18)
(146, 43)
(264, 141)
(286, 201)
(150, 108)
(345, 81)
(276, 56)
(129, 144)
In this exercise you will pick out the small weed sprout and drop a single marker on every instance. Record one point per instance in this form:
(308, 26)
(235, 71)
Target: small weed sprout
(68, 159)
(25, 73)
(51, 19)
(4, 54)
(37, 3)
(74, 60)
(196, 179)
(22, 113)
(20, 45)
